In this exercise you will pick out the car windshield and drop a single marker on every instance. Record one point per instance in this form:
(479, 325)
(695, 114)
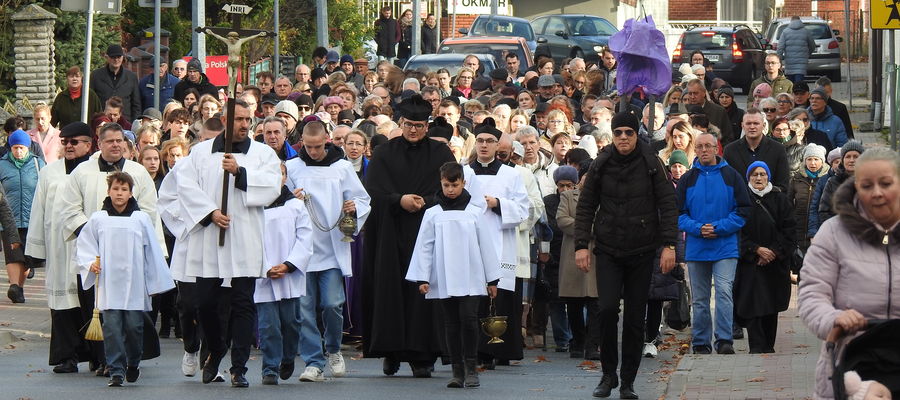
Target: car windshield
(816, 31)
(452, 65)
(498, 50)
(587, 26)
(706, 40)
(492, 27)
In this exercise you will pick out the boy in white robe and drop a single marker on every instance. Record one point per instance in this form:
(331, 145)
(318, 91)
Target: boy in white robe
(454, 261)
(133, 267)
(288, 248)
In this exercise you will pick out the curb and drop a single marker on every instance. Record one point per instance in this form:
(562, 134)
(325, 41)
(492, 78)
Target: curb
(677, 384)
(7, 337)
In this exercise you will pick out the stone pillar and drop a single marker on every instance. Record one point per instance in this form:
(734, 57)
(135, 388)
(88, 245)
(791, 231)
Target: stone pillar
(34, 50)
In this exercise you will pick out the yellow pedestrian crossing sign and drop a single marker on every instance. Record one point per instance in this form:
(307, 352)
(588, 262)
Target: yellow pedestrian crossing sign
(885, 14)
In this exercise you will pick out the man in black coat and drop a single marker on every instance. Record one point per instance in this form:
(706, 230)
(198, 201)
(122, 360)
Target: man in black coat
(756, 146)
(113, 79)
(627, 207)
(430, 38)
(195, 79)
(387, 34)
(696, 94)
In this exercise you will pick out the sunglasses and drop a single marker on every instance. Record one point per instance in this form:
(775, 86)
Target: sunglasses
(785, 102)
(620, 132)
(768, 110)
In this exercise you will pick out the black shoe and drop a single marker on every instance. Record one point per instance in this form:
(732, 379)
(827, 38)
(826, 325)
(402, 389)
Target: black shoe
(420, 370)
(627, 391)
(30, 273)
(239, 381)
(68, 366)
(702, 350)
(115, 381)
(576, 353)
(606, 385)
(211, 368)
(725, 348)
(737, 333)
(390, 366)
(502, 362)
(16, 294)
(285, 370)
(459, 376)
(132, 374)
(164, 334)
(592, 355)
(271, 379)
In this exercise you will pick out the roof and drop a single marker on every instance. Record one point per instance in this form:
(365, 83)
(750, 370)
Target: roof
(502, 18)
(484, 39)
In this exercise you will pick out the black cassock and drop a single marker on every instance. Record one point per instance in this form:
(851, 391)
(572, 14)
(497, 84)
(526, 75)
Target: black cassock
(397, 320)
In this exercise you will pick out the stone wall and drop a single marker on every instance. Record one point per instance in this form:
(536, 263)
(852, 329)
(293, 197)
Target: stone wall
(34, 50)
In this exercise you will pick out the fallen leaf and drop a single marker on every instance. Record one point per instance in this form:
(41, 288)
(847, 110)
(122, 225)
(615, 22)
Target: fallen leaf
(541, 359)
(10, 346)
(799, 346)
(722, 380)
(37, 370)
(757, 379)
(579, 387)
(480, 369)
(778, 389)
(536, 390)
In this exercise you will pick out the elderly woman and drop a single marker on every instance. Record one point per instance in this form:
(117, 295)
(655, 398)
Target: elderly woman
(19, 176)
(790, 134)
(762, 284)
(501, 116)
(800, 191)
(851, 269)
(333, 106)
(785, 103)
(681, 138)
(769, 107)
(67, 104)
(812, 135)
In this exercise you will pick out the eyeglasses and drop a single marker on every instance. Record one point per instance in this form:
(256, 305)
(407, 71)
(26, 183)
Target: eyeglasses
(485, 141)
(73, 142)
(346, 122)
(304, 108)
(769, 110)
(411, 125)
(620, 132)
(555, 121)
(705, 147)
(785, 102)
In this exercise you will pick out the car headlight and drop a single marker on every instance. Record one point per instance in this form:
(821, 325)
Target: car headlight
(598, 48)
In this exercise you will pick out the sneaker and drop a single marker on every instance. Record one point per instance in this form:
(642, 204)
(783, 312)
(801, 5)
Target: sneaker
(312, 374)
(220, 377)
(115, 381)
(650, 350)
(132, 374)
(269, 380)
(336, 363)
(190, 363)
(725, 348)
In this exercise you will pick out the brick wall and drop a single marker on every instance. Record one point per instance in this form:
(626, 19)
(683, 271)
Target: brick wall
(462, 21)
(692, 10)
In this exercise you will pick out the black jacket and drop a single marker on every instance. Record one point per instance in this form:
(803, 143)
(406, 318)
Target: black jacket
(387, 34)
(627, 204)
(735, 116)
(739, 156)
(718, 117)
(203, 87)
(429, 39)
(124, 85)
(840, 110)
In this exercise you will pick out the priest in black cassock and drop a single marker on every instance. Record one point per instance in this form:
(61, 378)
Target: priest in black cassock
(403, 178)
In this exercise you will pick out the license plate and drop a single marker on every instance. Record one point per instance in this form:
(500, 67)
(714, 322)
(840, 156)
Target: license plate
(712, 57)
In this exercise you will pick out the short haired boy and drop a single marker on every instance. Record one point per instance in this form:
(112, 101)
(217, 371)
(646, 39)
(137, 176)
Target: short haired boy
(454, 260)
(132, 267)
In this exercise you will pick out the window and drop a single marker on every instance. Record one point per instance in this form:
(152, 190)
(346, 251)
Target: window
(591, 27)
(555, 25)
(742, 10)
(538, 25)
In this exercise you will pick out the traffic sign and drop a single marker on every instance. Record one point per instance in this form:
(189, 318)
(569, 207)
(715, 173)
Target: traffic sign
(237, 9)
(162, 3)
(100, 6)
(885, 14)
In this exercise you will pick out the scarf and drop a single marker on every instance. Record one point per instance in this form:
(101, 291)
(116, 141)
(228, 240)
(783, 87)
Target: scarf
(75, 94)
(761, 193)
(357, 163)
(19, 162)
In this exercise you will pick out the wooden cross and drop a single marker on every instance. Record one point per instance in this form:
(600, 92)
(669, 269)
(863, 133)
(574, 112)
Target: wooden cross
(233, 37)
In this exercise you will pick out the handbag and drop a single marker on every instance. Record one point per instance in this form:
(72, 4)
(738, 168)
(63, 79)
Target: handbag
(678, 315)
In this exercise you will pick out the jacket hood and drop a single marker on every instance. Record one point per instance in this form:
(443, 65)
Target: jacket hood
(720, 163)
(796, 24)
(332, 155)
(858, 224)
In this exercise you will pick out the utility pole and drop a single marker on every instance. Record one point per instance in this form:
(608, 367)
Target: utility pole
(198, 40)
(157, 21)
(322, 23)
(416, 28)
(276, 59)
(86, 76)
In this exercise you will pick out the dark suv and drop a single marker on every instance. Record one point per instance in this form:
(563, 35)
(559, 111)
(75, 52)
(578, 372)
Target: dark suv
(574, 35)
(736, 52)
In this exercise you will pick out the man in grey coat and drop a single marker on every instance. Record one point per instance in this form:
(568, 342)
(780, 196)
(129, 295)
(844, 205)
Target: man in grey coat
(113, 79)
(795, 46)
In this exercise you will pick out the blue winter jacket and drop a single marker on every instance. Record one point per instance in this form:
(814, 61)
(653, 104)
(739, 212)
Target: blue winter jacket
(19, 185)
(166, 91)
(812, 221)
(795, 46)
(717, 195)
(830, 124)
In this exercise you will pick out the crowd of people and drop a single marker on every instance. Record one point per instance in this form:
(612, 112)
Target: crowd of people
(540, 194)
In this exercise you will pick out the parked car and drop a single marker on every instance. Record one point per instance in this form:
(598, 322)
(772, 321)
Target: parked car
(497, 46)
(451, 61)
(737, 54)
(500, 25)
(826, 60)
(574, 35)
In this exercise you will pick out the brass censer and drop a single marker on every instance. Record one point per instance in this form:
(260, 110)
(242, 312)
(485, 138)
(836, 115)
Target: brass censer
(346, 224)
(494, 325)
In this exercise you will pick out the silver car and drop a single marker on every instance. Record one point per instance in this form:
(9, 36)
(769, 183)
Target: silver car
(826, 60)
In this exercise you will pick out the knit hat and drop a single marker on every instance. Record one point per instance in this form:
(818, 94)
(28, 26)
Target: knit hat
(518, 149)
(74, 129)
(678, 157)
(819, 91)
(195, 65)
(625, 119)
(18, 137)
(834, 154)
(762, 90)
(814, 150)
(565, 173)
(726, 90)
(346, 58)
(855, 386)
(333, 100)
(345, 115)
(288, 107)
(685, 69)
(546, 80)
(759, 164)
(852, 145)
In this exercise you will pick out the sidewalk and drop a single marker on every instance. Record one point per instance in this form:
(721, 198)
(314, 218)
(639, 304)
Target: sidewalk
(31, 318)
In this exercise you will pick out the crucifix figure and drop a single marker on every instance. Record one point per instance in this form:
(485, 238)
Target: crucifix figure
(234, 43)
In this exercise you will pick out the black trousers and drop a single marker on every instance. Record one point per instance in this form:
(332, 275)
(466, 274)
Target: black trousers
(761, 333)
(241, 318)
(654, 318)
(585, 331)
(461, 325)
(186, 304)
(163, 306)
(67, 337)
(627, 278)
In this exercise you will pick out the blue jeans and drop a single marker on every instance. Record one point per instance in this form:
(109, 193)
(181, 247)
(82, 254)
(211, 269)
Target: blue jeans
(559, 321)
(279, 333)
(123, 339)
(325, 291)
(702, 273)
(795, 77)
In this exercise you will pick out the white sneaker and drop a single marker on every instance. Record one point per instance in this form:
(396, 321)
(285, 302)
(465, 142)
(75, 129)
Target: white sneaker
(336, 363)
(312, 374)
(190, 363)
(650, 350)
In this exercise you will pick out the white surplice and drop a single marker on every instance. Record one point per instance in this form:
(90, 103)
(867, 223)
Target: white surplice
(199, 185)
(46, 240)
(87, 187)
(171, 212)
(509, 190)
(132, 264)
(288, 237)
(328, 188)
(454, 253)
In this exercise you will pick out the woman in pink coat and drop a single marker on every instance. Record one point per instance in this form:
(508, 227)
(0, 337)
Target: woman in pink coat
(851, 272)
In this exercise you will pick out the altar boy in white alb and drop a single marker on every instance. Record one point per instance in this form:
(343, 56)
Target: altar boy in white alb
(454, 261)
(329, 185)
(254, 182)
(132, 266)
(288, 244)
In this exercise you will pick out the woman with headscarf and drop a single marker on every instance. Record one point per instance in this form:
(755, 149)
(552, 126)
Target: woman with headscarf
(800, 192)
